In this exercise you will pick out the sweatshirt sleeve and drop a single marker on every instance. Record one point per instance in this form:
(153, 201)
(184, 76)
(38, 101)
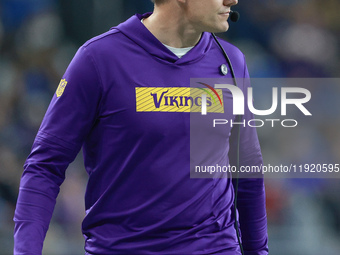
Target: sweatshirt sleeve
(69, 118)
(251, 204)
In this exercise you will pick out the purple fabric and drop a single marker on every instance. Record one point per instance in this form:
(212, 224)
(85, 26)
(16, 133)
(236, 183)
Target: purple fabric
(139, 198)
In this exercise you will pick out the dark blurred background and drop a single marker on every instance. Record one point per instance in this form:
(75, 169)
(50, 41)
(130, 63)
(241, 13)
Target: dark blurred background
(280, 38)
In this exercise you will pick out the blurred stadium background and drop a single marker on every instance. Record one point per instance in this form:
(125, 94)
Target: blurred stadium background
(280, 38)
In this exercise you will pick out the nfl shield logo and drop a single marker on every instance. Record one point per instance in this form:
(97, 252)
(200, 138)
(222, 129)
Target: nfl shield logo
(61, 87)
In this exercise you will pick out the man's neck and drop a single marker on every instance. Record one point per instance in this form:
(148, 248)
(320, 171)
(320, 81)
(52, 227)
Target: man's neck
(171, 29)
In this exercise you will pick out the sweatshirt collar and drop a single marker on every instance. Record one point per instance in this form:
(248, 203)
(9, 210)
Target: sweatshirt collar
(139, 34)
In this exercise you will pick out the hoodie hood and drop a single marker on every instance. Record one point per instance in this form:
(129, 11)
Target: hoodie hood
(134, 29)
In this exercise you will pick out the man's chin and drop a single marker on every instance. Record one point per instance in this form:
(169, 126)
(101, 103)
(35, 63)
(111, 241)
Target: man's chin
(220, 29)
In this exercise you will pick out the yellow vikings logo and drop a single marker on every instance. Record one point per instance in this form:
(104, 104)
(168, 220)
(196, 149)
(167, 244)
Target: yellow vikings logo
(177, 99)
(61, 87)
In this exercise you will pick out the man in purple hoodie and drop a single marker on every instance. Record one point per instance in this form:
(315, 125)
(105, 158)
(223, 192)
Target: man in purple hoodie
(112, 102)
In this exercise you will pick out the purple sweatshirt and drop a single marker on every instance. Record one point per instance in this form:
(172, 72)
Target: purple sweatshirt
(140, 198)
